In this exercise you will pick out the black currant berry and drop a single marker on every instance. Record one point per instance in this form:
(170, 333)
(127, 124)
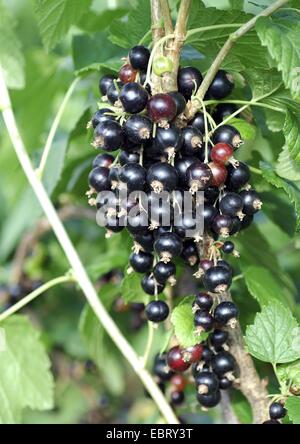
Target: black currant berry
(105, 83)
(162, 177)
(179, 101)
(168, 141)
(221, 86)
(139, 57)
(219, 174)
(150, 285)
(238, 176)
(209, 401)
(231, 204)
(209, 213)
(99, 179)
(203, 321)
(198, 122)
(176, 361)
(271, 421)
(224, 264)
(228, 247)
(207, 354)
(133, 97)
(228, 134)
(134, 176)
(113, 92)
(222, 225)
(246, 222)
(108, 136)
(225, 383)
(145, 241)
(189, 79)
(168, 245)
(190, 253)
(138, 129)
(177, 398)
(226, 313)
(126, 157)
(103, 160)
(251, 202)
(164, 273)
(157, 311)
(192, 141)
(161, 368)
(138, 223)
(277, 410)
(114, 223)
(218, 337)
(127, 74)
(161, 109)
(217, 279)
(223, 363)
(141, 262)
(198, 176)
(102, 115)
(204, 301)
(206, 383)
(221, 153)
(223, 110)
(181, 165)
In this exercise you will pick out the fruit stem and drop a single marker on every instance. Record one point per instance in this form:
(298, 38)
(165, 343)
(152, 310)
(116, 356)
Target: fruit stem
(80, 272)
(165, 10)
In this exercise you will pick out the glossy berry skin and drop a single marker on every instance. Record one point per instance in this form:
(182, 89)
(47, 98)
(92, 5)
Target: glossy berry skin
(209, 213)
(225, 383)
(108, 136)
(227, 134)
(224, 264)
(138, 224)
(221, 153)
(103, 160)
(194, 353)
(237, 176)
(163, 272)
(162, 177)
(176, 360)
(199, 177)
(189, 79)
(99, 179)
(134, 176)
(204, 301)
(157, 311)
(206, 383)
(162, 65)
(251, 202)
(126, 157)
(161, 108)
(226, 312)
(178, 382)
(168, 140)
(207, 354)
(113, 92)
(223, 110)
(209, 401)
(177, 398)
(127, 74)
(218, 337)
(138, 129)
(221, 86)
(179, 101)
(192, 141)
(222, 363)
(189, 253)
(168, 245)
(228, 247)
(231, 204)
(181, 165)
(105, 83)
(102, 115)
(133, 97)
(277, 410)
(199, 123)
(219, 174)
(271, 421)
(217, 279)
(222, 225)
(161, 368)
(203, 321)
(141, 262)
(206, 264)
(114, 224)
(246, 222)
(145, 240)
(150, 286)
(139, 56)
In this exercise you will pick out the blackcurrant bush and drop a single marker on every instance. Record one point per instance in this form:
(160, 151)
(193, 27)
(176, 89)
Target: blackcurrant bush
(162, 177)
(221, 153)
(133, 97)
(150, 285)
(223, 363)
(179, 101)
(138, 129)
(168, 245)
(113, 92)
(181, 165)
(161, 368)
(105, 83)
(211, 400)
(218, 337)
(206, 383)
(225, 383)
(157, 311)
(223, 110)
(175, 360)
(126, 157)
(102, 115)
(199, 176)
(99, 179)
(238, 176)
(127, 74)
(103, 160)
(228, 134)
(161, 109)
(203, 321)
(108, 136)
(134, 176)
(204, 301)
(141, 262)
(139, 57)
(222, 225)
(221, 86)
(164, 273)
(217, 279)
(251, 202)
(231, 204)
(177, 398)
(192, 141)
(168, 140)
(228, 247)
(277, 410)
(189, 79)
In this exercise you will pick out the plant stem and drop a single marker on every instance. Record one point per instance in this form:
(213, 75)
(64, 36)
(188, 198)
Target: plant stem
(212, 27)
(157, 34)
(34, 294)
(255, 170)
(149, 343)
(247, 103)
(79, 271)
(48, 145)
(211, 73)
(165, 10)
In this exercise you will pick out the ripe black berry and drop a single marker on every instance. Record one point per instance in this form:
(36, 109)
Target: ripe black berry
(168, 245)
(164, 272)
(102, 115)
(246, 222)
(108, 136)
(227, 134)
(141, 262)
(204, 301)
(103, 160)
(231, 204)
(138, 129)
(251, 202)
(206, 383)
(134, 176)
(161, 109)
(207, 354)
(209, 213)
(179, 101)
(218, 337)
(138, 223)
(225, 383)
(189, 79)
(228, 247)
(277, 410)
(221, 86)
(113, 92)
(175, 360)
(133, 97)
(139, 57)
(168, 140)
(114, 223)
(157, 311)
(126, 157)
(198, 176)
(192, 141)
(211, 400)
(238, 176)
(99, 179)
(181, 165)
(161, 368)
(162, 177)
(223, 110)
(271, 421)
(217, 279)
(222, 225)
(223, 363)
(150, 285)
(105, 83)
(177, 398)
(203, 321)
(190, 253)
(198, 122)
(145, 240)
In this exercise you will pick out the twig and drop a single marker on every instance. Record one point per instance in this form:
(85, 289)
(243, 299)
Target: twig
(227, 411)
(211, 73)
(157, 33)
(79, 271)
(165, 10)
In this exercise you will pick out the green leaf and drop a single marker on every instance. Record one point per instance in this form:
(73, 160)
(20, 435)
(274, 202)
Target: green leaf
(182, 319)
(11, 56)
(247, 130)
(129, 33)
(270, 338)
(131, 289)
(92, 22)
(241, 407)
(291, 132)
(262, 82)
(286, 167)
(292, 405)
(262, 285)
(111, 66)
(281, 99)
(289, 374)
(281, 36)
(55, 17)
(290, 188)
(25, 378)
